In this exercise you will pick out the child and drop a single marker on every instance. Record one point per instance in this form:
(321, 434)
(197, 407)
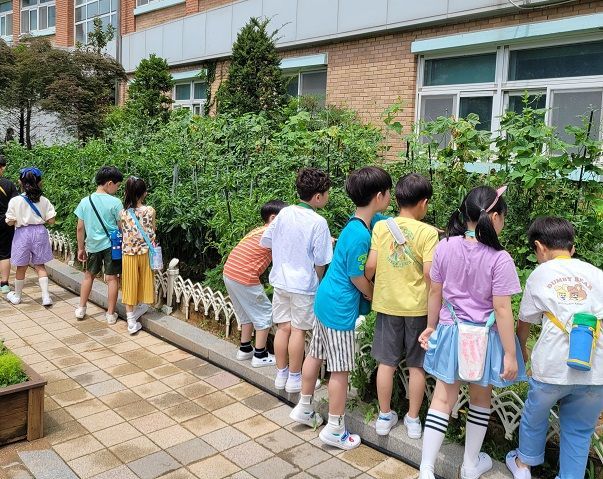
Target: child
(475, 277)
(400, 299)
(560, 286)
(7, 191)
(93, 244)
(301, 248)
(337, 307)
(138, 228)
(28, 213)
(242, 270)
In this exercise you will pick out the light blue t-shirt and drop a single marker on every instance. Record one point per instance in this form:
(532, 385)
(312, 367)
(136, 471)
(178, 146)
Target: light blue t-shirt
(337, 300)
(108, 208)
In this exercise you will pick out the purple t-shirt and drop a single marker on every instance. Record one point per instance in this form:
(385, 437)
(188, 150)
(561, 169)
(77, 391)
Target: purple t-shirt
(471, 274)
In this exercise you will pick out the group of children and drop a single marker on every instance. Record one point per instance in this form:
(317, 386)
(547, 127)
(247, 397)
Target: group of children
(425, 292)
(24, 240)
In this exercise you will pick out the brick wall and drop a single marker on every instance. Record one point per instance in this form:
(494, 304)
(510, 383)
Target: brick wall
(192, 6)
(64, 36)
(128, 21)
(16, 19)
(209, 4)
(157, 17)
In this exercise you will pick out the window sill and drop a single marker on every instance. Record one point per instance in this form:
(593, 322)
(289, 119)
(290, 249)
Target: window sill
(156, 5)
(40, 33)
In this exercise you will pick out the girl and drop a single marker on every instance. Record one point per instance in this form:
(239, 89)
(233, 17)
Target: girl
(474, 277)
(138, 228)
(28, 213)
(7, 191)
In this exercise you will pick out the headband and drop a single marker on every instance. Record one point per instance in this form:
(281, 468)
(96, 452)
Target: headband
(499, 192)
(35, 171)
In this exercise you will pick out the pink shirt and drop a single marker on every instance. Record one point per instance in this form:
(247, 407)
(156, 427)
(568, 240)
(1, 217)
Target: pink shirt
(471, 274)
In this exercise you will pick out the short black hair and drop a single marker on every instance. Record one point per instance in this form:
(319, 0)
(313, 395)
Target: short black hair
(362, 185)
(552, 232)
(2, 160)
(411, 189)
(108, 173)
(310, 181)
(271, 208)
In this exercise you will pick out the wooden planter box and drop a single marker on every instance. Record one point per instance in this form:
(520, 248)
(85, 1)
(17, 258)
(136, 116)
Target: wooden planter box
(22, 409)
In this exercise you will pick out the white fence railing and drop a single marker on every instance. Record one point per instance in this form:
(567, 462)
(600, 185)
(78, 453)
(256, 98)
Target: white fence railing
(171, 289)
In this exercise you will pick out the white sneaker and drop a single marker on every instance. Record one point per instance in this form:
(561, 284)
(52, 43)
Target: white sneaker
(413, 427)
(111, 318)
(518, 472)
(342, 440)
(133, 328)
(281, 379)
(140, 310)
(426, 474)
(46, 301)
(13, 297)
(80, 312)
(293, 385)
(243, 356)
(265, 361)
(305, 414)
(484, 464)
(385, 424)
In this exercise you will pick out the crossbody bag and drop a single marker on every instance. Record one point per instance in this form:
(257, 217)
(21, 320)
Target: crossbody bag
(115, 236)
(33, 206)
(155, 254)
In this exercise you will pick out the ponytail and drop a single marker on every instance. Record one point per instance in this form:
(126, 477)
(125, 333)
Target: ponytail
(30, 182)
(485, 232)
(456, 224)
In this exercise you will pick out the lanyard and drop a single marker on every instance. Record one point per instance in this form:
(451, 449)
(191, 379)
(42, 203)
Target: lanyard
(305, 205)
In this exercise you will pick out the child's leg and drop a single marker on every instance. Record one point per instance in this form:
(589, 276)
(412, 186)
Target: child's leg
(338, 392)
(417, 390)
(4, 270)
(281, 344)
(578, 415)
(297, 343)
(261, 337)
(304, 412)
(246, 333)
(477, 423)
(20, 273)
(112, 291)
(385, 384)
(43, 281)
(415, 355)
(86, 288)
(444, 398)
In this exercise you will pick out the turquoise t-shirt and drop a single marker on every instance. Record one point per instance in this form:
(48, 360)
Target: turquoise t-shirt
(108, 208)
(337, 300)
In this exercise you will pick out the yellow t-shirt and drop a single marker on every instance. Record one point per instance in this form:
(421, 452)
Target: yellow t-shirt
(400, 287)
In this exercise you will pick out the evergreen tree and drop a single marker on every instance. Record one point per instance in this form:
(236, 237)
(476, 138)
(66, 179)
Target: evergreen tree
(147, 94)
(255, 80)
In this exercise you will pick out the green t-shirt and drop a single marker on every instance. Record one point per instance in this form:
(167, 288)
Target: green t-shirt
(108, 208)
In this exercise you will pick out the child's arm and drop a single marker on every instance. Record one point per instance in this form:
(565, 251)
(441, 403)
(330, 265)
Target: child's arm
(51, 214)
(10, 217)
(320, 271)
(363, 285)
(426, 270)
(506, 330)
(81, 236)
(434, 304)
(523, 333)
(370, 268)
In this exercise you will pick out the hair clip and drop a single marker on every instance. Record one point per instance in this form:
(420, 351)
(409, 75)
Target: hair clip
(499, 192)
(30, 169)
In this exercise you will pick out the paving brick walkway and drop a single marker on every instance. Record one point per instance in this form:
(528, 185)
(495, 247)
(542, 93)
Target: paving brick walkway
(121, 407)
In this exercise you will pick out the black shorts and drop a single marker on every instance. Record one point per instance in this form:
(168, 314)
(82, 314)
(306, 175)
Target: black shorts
(397, 338)
(102, 261)
(6, 239)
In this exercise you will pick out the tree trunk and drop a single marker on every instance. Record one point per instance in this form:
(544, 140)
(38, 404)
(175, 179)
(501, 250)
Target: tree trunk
(22, 126)
(28, 128)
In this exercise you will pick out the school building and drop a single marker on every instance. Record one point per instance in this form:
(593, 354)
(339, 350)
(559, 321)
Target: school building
(440, 57)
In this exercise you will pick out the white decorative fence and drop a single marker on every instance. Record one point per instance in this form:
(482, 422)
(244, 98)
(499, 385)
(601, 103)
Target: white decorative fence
(171, 289)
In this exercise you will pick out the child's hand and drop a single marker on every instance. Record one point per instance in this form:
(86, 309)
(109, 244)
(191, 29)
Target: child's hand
(510, 368)
(424, 338)
(81, 255)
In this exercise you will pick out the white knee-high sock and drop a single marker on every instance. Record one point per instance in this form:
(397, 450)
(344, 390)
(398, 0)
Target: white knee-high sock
(19, 286)
(43, 281)
(477, 425)
(436, 424)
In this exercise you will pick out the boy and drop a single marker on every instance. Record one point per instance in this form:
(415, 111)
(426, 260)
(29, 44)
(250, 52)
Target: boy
(301, 248)
(400, 299)
(242, 270)
(337, 308)
(549, 291)
(93, 244)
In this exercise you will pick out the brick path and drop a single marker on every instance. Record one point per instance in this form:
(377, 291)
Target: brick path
(121, 407)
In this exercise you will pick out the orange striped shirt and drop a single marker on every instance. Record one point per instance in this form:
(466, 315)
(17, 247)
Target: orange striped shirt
(248, 260)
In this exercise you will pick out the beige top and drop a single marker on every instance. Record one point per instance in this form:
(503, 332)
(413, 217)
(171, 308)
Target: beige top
(23, 214)
(133, 242)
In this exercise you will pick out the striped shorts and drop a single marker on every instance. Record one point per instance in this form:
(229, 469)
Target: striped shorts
(337, 347)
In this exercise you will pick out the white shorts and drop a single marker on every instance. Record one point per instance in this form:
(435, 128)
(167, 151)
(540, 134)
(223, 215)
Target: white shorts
(250, 303)
(293, 307)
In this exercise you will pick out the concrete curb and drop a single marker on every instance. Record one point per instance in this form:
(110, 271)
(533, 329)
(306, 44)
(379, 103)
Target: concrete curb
(222, 353)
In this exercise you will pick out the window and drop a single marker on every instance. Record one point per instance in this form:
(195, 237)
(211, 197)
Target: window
(6, 19)
(309, 84)
(570, 107)
(85, 13)
(535, 101)
(37, 15)
(191, 95)
(458, 70)
(481, 106)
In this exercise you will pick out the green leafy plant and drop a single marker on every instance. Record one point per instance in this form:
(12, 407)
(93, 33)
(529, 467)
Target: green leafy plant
(11, 368)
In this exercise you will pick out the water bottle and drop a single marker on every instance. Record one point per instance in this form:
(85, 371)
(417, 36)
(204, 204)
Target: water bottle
(582, 341)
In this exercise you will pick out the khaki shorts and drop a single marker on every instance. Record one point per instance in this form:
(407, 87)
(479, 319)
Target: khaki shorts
(293, 307)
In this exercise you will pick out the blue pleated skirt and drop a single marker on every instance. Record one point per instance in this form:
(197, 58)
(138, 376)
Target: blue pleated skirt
(441, 359)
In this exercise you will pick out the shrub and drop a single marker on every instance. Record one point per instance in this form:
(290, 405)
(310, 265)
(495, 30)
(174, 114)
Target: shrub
(11, 368)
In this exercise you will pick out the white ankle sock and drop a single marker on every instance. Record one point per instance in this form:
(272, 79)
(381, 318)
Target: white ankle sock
(43, 281)
(385, 414)
(477, 425)
(283, 373)
(19, 286)
(336, 422)
(436, 424)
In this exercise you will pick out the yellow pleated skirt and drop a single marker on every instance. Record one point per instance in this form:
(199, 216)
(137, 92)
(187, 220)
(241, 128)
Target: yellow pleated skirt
(137, 282)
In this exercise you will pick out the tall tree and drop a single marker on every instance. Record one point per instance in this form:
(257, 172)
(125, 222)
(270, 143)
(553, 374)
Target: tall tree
(255, 80)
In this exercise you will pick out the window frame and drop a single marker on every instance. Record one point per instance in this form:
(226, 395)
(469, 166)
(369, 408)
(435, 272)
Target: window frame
(192, 103)
(111, 14)
(37, 7)
(5, 15)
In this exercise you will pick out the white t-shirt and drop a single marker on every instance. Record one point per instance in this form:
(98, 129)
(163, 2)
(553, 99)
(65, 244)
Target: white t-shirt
(562, 287)
(24, 215)
(299, 238)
